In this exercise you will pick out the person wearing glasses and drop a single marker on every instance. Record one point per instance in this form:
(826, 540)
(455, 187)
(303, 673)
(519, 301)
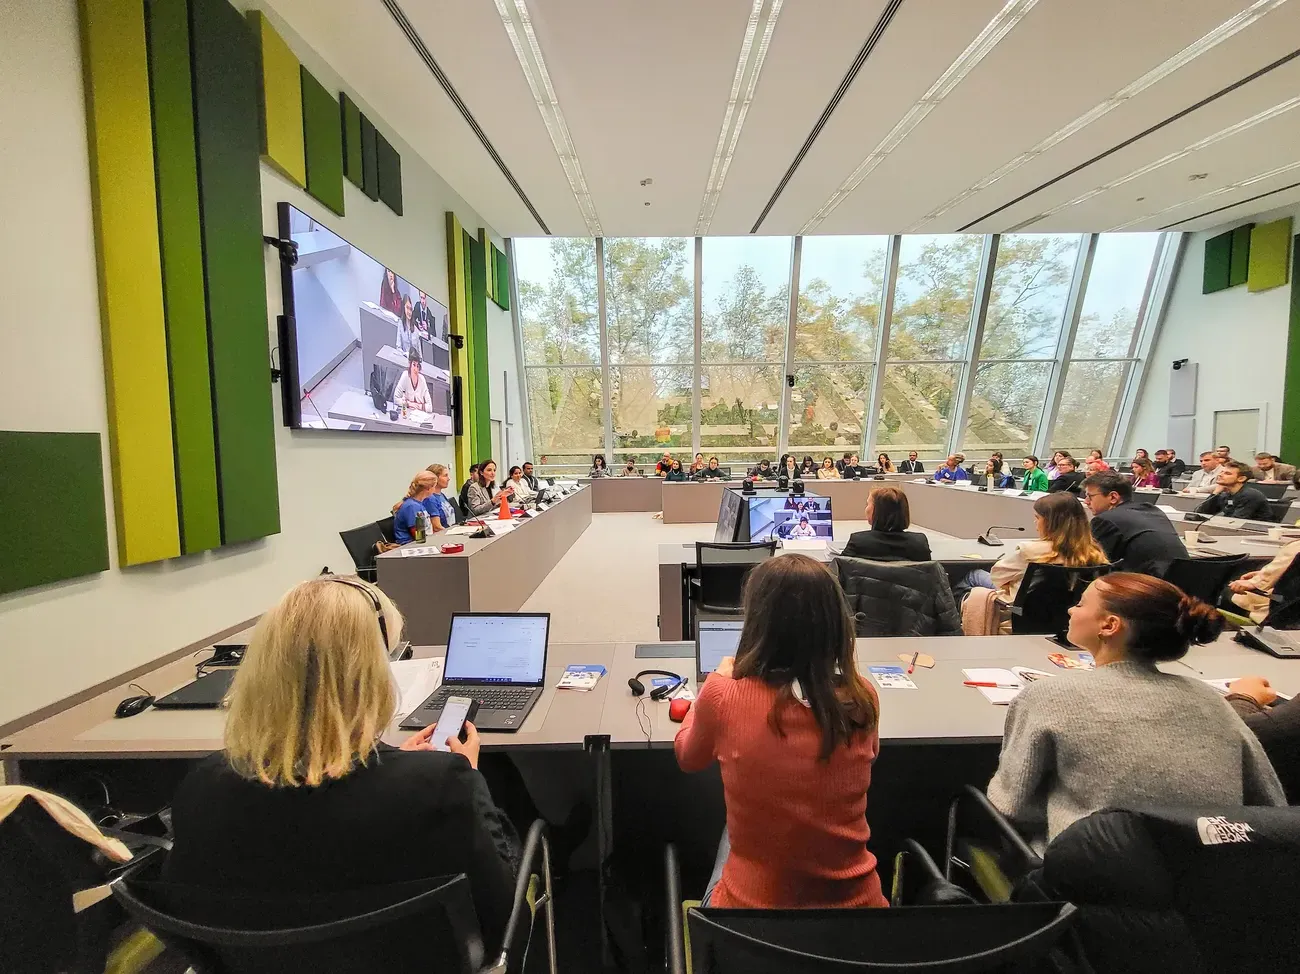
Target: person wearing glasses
(911, 464)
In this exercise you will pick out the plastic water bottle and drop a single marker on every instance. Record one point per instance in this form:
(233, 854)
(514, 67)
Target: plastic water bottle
(422, 519)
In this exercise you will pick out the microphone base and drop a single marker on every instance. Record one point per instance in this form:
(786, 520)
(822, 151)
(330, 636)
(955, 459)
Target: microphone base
(991, 542)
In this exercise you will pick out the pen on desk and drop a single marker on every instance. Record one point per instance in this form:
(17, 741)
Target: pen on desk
(912, 665)
(984, 683)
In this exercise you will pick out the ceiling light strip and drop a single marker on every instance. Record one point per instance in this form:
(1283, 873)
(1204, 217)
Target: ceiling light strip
(1231, 187)
(1230, 206)
(749, 65)
(1228, 29)
(994, 31)
(516, 21)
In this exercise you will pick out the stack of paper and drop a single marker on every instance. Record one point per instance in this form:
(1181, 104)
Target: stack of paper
(416, 681)
(1001, 695)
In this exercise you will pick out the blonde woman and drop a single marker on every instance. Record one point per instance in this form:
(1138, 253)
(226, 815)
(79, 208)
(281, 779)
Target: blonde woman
(406, 512)
(828, 471)
(305, 799)
(441, 515)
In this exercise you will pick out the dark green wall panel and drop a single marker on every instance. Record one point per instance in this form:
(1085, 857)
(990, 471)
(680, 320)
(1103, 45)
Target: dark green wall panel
(1218, 263)
(41, 541)
(369, 159)
(1239, 262)
(388, 164)
(1290, 446)
(479, 387)
(182, 273)
(502, 268)
(323, 138)
(226, 129)
(350, 117)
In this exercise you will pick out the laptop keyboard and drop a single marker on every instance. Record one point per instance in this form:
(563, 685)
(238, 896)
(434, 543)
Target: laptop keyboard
(489, 698)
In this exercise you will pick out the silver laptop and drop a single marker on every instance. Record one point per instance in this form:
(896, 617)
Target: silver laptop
(496, 658)
(714, 639)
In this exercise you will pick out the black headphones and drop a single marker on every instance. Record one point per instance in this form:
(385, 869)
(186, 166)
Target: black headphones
(658, 693)
(374, 601)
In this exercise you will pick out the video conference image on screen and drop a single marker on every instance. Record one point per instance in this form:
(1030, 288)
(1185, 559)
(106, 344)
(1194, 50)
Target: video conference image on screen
(794, 517)
(372, 349)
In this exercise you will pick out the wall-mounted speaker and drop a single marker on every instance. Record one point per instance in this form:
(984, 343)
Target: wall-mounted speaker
(457, 410)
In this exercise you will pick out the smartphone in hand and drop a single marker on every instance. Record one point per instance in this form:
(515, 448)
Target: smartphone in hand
(452, 721)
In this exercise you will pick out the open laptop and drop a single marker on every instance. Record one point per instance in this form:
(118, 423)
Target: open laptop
(496, 658)
(1282, 643)
(714, 639)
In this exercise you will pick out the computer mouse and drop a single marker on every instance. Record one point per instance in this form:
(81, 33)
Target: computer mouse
(677, 709)
(132, 706)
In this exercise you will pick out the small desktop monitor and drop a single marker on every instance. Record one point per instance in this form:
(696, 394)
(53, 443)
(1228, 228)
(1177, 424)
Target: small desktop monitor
(791, 517)
(728, 516)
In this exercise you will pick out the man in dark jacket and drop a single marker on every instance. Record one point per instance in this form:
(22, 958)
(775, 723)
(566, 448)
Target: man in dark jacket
(1233, 498)
(1138, 536)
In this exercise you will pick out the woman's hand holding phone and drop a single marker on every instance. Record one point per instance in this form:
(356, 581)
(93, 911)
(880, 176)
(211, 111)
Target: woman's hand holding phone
(469, 747)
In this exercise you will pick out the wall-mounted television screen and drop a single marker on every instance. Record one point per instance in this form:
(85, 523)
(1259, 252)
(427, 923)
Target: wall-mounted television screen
(793, 516)
(361, 348)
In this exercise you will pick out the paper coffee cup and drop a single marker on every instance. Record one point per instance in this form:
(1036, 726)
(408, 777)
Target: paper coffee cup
(1192, 537)
(1277, 534)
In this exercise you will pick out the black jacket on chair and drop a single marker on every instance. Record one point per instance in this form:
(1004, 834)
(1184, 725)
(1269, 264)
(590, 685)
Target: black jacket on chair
(888, 546)
(1138, 537)
(899, 599)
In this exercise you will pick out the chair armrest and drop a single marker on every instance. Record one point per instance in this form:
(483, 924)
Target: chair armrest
(674, 936)
(535, 846)
(972, 806)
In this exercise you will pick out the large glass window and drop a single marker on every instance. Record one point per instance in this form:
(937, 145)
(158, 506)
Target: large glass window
(916, 403)
(650, 300)
(934, 294)
(739, 411)
(651, 409)
(564, 405)
(1006, 407)
(745, 298)
(557, 300)
(1112, 305)
(841, 281)
(1089, 403)
(827, 406)
(1031, 282)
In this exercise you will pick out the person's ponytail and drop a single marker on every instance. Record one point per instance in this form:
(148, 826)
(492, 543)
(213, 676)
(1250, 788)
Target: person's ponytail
(1198, 622)
(1163, 622)
(418, 483)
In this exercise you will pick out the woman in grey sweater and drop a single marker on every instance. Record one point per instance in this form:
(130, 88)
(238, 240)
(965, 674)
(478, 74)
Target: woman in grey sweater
(479, 498)
(1127, 734)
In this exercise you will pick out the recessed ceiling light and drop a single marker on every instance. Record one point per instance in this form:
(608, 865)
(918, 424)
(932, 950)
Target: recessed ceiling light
(1229, 28)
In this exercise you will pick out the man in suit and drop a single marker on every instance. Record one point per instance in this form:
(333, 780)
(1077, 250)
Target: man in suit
(911, 464)
(1233, 498)
(1137, 535)
(529, 476)
(424, 317)
(1267, 469)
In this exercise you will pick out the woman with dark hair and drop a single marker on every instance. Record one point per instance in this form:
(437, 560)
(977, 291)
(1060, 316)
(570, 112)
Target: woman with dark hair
(408, 335)
(789, 468)
(795, 731)
(828, 470)
(598, 467)
(884, 464)
(675, 473)
(997, 478)
(390, 298)
(1127, 734)
(1144, 473)
(479, 498)
(808, 469)
(888, 540)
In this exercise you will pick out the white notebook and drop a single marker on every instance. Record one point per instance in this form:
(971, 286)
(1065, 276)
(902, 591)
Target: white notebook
(1021, 676)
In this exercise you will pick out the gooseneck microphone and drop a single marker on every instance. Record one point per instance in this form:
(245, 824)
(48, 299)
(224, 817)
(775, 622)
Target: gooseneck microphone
(992, 540)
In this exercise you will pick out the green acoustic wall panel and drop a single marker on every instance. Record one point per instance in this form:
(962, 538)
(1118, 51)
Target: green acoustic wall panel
(280, 102)
(226, 129)
(1239, 263)
(1270, 255)
(1218, 262)
(125, 207)
(457, 304)
(369, 159)
(503, 279)
(182, 273)
(40, 543)
(323, 136)
(479, 387)
(350, 117)
(1290, 446)
(388, 165)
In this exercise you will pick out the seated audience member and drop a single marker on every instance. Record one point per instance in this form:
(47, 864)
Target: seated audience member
(598, 467)
(1167, 467)
(803, 530)
(1067, 478)
(530, 477)
(305, 798)
(794, 729)
(1094, 456)
(1034, 480)
(522, 492)
(464, 488)
(788, 468)
(1252, 590)
(1206, 478)
(480, 499)
(697, 466)
(763, 471)
(1234, 497)
(675, 473)
(407, 511)
(713, 471)
(1267, 469)
(828, 470)
(1054, 465)
(951, 472)
(1063, 539)
(629, 469)
(1144, 474)
(664, 465)
(1136, 535)
(1091, 467)
(807, 469)
(911, 464)
(441, 515)
(1276, 724)
(843, 462)
(852, 468)
(997, 477)
(1127, 734)
(1223, 453)
(884, 464)
(1141, 454)
(1179, 468)
(890, 516)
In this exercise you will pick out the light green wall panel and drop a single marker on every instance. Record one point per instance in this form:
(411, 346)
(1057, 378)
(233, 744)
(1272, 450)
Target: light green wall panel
(1270, 255)
(280, 103)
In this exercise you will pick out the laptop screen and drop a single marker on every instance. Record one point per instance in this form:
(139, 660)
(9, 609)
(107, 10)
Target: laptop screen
(506, 648)
(715, 639)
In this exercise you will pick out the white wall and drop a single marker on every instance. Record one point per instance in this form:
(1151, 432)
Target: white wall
(61, 638)
(1237, 337)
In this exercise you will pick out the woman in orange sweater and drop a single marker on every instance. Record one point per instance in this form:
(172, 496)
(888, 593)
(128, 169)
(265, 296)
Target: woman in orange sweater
(794, 728)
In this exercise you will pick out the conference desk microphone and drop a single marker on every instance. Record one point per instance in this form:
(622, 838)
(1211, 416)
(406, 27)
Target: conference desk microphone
(992, 540)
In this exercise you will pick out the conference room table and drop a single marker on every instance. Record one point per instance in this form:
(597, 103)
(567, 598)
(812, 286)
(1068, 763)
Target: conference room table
(698, 502)
(495, 574)
(611, 495)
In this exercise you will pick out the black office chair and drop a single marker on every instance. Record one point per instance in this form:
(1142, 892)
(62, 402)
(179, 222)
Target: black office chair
(898, 598)
(979, 479)
(1204, 578)
(1278, 511)
(1273, 492)
(422, 925)
(361, 544)
(1046, 595)
(385, 525)
(965, 938)
(721, 570)
(1017, 472)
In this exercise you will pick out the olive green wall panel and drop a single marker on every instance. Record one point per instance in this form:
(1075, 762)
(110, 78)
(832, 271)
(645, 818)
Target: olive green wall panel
(323, 135)
(226, 130)
(1239, 263)
(120, 136)
(1290, 446)
(182, 273)
(501, 279)
(350, 118)
(388, 165)
(479, 387)
(280, 104)
(457, 304)
(369, 159)
(1270, 255)
(1218, 262)
(36, 546)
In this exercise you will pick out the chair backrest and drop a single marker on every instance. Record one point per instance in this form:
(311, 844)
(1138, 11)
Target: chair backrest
(1278, 510)
(385, 525)
(723, 568)
(360, 543)
(1273, 492)
(1181, 889)
(1017, 472)
(918, 939)
(424, 925)
(1046, 595)
(898, 598)
(1204, 578)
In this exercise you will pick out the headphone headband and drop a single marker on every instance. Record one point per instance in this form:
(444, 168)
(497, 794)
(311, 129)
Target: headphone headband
(658, 693)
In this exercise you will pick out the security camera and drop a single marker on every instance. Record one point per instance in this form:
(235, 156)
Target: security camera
(288, 248)
(789, 380)
(1179, 363)
(457, 340)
